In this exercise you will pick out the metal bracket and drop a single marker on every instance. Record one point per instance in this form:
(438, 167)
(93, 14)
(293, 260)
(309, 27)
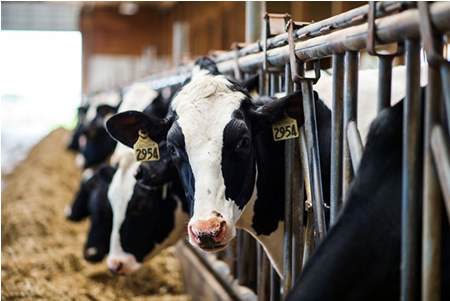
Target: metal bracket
(274, 25)
(428, 35)
(296, 77)
(237, 70)
(372, 35)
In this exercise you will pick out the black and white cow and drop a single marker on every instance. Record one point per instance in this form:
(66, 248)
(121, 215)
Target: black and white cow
(95, 143)
(231, 169)
(149, 208)
(74, 144)
(91, 201)
(359, 259)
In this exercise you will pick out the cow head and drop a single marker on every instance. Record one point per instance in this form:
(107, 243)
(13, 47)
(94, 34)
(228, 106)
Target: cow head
(92, 201)
(211, 135)
(147, 215)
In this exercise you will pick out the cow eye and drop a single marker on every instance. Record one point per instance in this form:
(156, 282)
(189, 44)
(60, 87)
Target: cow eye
(244, 143)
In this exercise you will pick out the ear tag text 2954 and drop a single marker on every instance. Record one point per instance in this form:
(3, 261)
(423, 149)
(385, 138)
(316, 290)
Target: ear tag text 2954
(145, 149)
(285, 128)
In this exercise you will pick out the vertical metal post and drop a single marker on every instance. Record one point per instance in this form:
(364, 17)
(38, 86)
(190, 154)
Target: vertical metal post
(350, 110)
(298, 210)
(445, 77)
(441, 155)
(410, 265)
(336, 137)
(254, 11)
(309, 110)
(288, 192)
(384, 81)
(432, 202)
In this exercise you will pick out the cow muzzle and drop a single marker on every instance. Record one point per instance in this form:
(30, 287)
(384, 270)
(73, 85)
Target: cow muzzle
(122, 266)
(209, 235)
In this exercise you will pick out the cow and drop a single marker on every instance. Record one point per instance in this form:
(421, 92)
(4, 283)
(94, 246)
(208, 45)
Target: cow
(91, 201)
(359, 258)
(95, 143)
(149, 209)
(231, 169)
(74, 144)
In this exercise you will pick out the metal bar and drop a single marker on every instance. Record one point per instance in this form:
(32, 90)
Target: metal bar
(350, 110)
(310, 241)
(432, 203)
(351, 17)
(336, 137)
(389, 29)
(254, 11)
(274, 285)
(445, 77)
(384, 81)
(441, 155)
(298, 210)
(354, 144)
(309, 110)
(288, 195)
(410, 272)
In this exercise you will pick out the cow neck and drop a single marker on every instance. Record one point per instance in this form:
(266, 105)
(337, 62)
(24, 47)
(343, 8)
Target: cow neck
(264, 213)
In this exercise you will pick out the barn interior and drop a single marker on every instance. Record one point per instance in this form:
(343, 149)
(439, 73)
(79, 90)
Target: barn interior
(58, 53)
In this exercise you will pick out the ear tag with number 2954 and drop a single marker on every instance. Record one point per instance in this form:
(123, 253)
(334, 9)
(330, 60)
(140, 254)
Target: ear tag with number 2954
(145, 149)
(285, 128)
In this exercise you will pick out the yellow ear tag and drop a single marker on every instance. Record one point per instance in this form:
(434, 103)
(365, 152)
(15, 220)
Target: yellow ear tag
(145, 149)
(285, 128)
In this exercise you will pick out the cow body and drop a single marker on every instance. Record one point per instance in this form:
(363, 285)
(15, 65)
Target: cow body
(359, 259)
(91, 200)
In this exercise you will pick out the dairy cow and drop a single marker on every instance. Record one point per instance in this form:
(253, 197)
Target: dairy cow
(359, 259)
(95, 143)
(231, 169)
(91, 201)
(149, 208)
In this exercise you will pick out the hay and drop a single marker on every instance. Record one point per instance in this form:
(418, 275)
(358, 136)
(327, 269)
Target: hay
(42, 251)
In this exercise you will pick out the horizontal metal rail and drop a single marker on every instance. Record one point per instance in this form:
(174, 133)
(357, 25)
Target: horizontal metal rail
(349, 18)
(403, 25)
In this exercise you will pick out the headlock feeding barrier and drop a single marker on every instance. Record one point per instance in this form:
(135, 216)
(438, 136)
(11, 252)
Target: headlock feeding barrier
(280, 58)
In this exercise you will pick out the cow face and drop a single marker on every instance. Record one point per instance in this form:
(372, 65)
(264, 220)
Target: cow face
(146, 217)
(212, 139)
(92, 201)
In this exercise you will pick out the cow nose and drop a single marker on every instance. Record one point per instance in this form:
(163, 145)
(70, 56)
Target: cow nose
(115, 267)
(209, 234)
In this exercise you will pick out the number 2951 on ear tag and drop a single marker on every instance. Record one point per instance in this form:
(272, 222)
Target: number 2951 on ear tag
(145, 149)
(284, 129)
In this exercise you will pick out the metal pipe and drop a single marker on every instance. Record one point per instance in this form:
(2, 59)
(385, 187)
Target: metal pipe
(384, 81)
(352, 17)
(336, 137)
(310, 241)
(274, 285)
(350, 111)
(288, 195)
(410, 245)
(441, 155)
(312, 142)
(254, 11)
(298, 209)
(354, 144)
(389, 29)
(445, 77)
(432, 203)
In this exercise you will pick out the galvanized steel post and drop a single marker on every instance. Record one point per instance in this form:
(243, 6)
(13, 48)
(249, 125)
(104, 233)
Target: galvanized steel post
(336, 196)
(412, 112)
(350, 110)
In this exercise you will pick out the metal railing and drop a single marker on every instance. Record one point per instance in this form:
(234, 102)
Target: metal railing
(281, 64)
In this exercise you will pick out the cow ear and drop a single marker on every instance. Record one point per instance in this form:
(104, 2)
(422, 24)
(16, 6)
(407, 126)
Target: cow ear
(250, 84)
(124, 127)
(271, 111)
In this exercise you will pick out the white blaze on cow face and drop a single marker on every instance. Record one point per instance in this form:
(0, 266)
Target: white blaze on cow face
(204, 107)
(119, 194)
